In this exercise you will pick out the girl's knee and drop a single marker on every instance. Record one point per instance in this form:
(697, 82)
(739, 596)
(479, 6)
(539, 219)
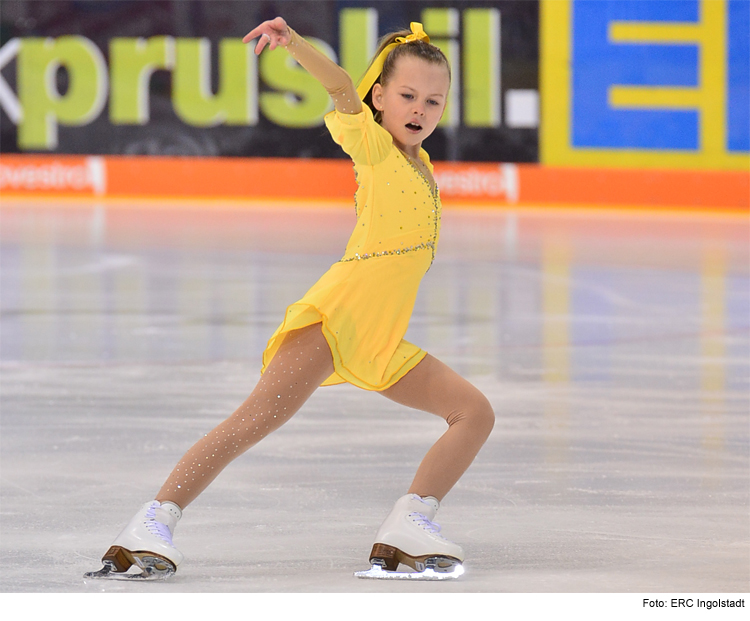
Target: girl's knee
(476, 412)
(484, 415)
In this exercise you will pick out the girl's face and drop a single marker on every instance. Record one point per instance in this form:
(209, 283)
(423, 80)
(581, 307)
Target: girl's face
(412, 101)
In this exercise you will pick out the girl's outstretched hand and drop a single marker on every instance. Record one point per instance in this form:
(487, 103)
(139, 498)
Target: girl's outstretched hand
(274, 32)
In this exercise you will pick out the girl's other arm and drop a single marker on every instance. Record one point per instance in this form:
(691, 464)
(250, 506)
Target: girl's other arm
(334, 79)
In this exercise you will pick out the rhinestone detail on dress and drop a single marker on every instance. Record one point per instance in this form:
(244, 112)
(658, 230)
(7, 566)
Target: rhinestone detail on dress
(431, 245)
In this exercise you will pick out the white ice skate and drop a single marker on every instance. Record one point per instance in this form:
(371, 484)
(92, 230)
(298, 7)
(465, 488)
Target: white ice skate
(409, 536)
(145, 543)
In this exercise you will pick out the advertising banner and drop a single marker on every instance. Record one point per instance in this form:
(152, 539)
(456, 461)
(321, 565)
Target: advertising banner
(174, 78)
(601, 103)
(653, 84)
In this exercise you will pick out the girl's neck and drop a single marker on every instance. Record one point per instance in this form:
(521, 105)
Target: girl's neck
(410, 150)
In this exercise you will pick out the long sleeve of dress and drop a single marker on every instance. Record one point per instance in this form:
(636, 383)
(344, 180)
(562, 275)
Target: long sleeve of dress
(334, 79)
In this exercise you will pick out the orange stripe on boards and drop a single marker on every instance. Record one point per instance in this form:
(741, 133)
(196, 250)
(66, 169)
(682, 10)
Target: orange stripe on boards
(230, 178)
(662, 188)
(532, 184)
(311, 180)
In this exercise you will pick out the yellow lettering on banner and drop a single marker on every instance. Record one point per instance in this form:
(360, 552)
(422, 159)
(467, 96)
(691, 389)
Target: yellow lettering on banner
(234, 103)
(44, 107)
(481, 54)
(644, 32)
(655, 97)
(293, 98)
(358, 40)
(554, 81)
(300, 100)
(709, 97)
(442, 25)
(132, 63)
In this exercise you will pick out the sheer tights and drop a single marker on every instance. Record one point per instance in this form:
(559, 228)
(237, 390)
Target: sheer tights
(301, 364)
(434, 387)
(298, 368)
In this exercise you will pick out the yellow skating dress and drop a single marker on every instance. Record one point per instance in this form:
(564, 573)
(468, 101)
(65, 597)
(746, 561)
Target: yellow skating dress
(365, 300)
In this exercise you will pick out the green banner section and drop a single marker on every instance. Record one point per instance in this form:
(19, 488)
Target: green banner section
(43, 106)
(211, 83)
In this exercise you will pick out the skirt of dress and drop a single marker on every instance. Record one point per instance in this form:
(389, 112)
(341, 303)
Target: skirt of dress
(364, 307)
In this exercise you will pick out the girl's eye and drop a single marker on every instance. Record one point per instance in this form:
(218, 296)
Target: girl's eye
(407, 95)
(432, 102)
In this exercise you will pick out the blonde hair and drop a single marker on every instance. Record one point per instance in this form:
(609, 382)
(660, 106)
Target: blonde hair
(418, 49)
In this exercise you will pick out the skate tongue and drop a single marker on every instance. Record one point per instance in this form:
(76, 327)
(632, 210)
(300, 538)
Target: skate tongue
(172, 509)
(432, 501)
(168, 514)
(427, 505)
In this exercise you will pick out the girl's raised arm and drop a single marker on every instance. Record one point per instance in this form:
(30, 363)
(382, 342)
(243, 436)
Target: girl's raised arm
(334, 79)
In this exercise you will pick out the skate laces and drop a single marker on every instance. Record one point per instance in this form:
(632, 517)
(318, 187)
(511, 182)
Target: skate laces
(423, 521)
(157, 528)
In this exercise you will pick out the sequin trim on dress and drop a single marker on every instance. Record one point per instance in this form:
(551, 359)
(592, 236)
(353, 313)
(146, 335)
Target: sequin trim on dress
(371, 255)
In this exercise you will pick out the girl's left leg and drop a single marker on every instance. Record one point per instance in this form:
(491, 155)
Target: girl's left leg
(433, 387)
(409, 535)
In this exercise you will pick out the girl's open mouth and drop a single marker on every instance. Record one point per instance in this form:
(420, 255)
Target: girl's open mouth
(414, 127)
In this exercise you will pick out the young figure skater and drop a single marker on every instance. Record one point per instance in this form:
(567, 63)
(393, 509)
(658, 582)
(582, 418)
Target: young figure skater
(349, 326)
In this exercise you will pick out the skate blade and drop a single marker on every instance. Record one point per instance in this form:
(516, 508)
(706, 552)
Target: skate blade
(376, 572)
(149, 568)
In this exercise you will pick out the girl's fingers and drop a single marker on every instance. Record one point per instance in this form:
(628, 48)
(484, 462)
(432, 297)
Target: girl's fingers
(279, 24)
(271, 33)
(264, 39)
(252, 34)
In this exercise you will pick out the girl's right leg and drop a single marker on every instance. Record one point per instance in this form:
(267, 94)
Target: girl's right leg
(302, 363)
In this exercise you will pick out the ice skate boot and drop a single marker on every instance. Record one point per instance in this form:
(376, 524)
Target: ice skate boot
(409, 536)
(145, 544)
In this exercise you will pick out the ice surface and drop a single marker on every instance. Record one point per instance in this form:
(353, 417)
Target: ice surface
(614, 349)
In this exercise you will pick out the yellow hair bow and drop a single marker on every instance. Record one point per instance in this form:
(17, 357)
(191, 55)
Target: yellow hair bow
(417, 34)
(376, 68)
